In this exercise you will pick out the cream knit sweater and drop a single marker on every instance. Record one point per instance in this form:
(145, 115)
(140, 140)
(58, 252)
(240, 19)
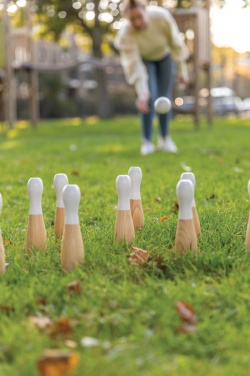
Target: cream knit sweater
(161, 36)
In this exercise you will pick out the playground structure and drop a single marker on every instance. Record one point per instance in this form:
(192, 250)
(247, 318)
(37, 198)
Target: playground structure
(23, 53)
(194, 24)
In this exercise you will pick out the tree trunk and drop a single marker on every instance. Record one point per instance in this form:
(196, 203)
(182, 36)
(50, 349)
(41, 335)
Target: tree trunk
(103, 100)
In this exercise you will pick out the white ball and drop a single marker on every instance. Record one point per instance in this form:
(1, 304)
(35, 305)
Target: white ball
(162, 105)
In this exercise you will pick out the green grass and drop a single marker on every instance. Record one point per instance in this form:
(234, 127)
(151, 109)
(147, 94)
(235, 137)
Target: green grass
(130, 309)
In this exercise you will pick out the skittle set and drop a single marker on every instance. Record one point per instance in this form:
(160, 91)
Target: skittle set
(130, 216)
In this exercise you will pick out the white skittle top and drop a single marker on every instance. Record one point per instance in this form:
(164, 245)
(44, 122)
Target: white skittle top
(71, 199)
(135, 174)
(60, 180)
(185, 194)
(123, 187)
(190, 176)
(35, 191)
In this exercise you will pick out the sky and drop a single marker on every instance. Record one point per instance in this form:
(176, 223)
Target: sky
(230, 26)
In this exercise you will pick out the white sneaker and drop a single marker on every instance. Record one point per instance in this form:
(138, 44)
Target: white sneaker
(167, 144)
(147, 148)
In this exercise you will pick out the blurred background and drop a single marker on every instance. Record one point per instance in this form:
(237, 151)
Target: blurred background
(57, 59)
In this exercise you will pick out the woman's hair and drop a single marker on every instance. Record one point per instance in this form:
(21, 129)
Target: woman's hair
(131, 4)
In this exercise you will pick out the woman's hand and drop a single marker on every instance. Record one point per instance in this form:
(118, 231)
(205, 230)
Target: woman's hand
(183, 82)
(142, 104)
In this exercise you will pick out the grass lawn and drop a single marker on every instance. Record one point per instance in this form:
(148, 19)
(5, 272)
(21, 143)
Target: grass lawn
(129, 310)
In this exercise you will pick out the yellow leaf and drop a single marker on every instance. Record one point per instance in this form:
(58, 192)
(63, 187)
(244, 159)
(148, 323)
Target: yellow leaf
(57, 362)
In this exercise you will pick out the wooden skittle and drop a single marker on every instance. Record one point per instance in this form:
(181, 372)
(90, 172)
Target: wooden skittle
(196, 220)
(36, 231)
(137, 213)
(190, 176)
(248, 225)
(185, 238)
(124, 227)
(2, 252)
(59, 222)
(136, 208)
(72, 248)
(60, 180)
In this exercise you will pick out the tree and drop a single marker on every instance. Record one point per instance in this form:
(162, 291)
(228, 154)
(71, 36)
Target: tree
(97, 18)
(93, 17)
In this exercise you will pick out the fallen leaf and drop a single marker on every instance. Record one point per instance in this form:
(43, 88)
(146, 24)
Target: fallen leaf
(6, 308)
(158, 199)
(186, 312)
(163, 218)
(159, 262)
(188, 317)
(60, 327)
(175, 207)
(75, 286)
(57, 362)
(75, 173)
(7, 242)
(41, 322)
(211, 197)
(40, 301)
(70, 343)
(138, 256)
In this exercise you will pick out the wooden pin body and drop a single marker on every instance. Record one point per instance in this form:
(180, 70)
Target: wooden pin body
(185, 238)
(2, 255)
(137, 213)
(36, 232)
(197, 225)
(60, 181)
(248, 235)
(72, 249)
(59, 222)
(124, 227)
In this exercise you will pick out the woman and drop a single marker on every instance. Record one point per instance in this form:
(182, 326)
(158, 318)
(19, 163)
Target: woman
(150, 45)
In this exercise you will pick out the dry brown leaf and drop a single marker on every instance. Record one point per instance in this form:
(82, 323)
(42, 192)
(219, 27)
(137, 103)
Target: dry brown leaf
(75, 173)
(6, 308)
(188, 317)
(41, 322)
(186, 312)
(175, 207)
(40, 301)
(57, 362)
(138, 256)
(60, 327)
(75, 286)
